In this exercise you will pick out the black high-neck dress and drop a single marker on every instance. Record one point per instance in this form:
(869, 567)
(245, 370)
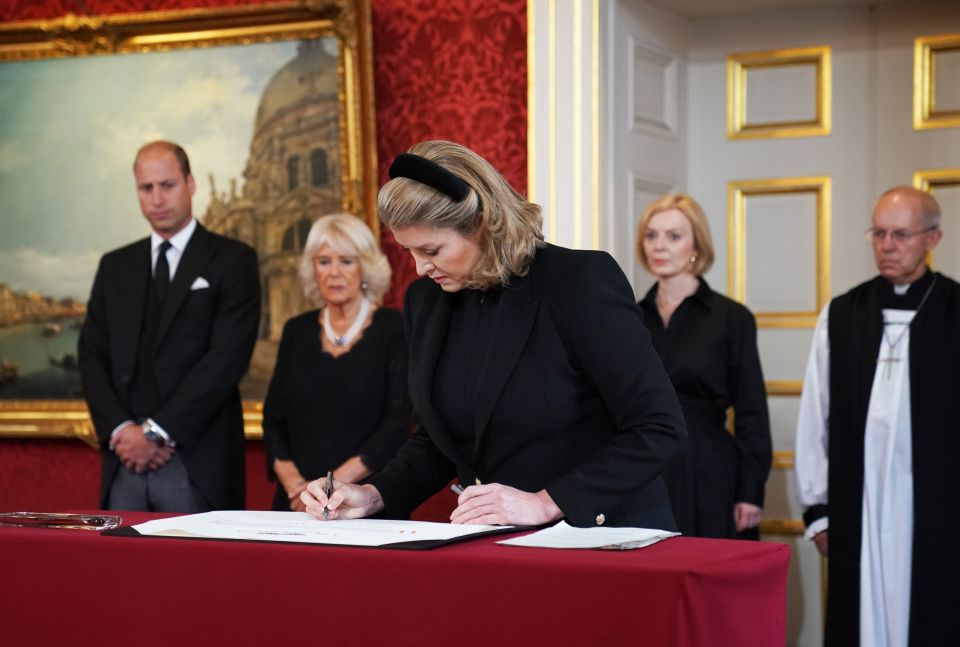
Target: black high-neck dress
(709, 349)
(321, 410)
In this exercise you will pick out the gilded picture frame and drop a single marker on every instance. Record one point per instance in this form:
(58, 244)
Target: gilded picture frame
(339, 27)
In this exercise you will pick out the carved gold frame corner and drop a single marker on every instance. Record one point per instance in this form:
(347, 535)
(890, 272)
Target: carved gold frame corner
(47, 419)
(928, 180)
(926, 115)
(737, 194)
(75, 36)
(739, 64)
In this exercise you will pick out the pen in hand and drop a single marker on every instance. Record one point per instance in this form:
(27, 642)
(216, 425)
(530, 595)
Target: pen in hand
(328, 491)
(457, 489)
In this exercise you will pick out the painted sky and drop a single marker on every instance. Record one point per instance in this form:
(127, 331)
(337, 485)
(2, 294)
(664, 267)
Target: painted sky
(69, 130)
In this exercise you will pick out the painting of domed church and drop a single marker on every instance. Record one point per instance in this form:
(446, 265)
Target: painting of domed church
(263, 127)
(291, 178)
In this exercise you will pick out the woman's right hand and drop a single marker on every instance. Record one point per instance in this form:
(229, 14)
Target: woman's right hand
(348, 501)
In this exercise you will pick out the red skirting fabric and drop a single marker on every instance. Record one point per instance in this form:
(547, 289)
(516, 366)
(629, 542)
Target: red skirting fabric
(79, 588)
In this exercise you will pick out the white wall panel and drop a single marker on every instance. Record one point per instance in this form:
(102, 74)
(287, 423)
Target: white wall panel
(781, 94)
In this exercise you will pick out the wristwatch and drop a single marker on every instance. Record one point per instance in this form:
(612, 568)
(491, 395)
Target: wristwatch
(151, 434)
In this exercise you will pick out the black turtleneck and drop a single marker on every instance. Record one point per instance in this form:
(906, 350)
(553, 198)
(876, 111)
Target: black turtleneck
(462, 360)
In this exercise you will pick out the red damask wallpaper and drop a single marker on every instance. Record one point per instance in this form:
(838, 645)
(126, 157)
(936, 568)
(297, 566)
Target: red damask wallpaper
(452, 69)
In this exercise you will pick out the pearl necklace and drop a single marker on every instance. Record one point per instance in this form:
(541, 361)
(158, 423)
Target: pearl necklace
(346, 338)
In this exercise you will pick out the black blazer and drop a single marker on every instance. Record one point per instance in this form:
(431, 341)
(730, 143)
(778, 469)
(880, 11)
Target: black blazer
(573, 398)
(204, 341)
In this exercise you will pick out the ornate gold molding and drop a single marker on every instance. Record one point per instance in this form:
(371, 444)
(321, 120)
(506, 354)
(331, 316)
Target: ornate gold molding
(783, 460)
(738, 67)
(931, 179)
(784, 387)
(71, 419)
(781, 526)
(73, 35)
(737, 194)
(925, 112)
(47, 419)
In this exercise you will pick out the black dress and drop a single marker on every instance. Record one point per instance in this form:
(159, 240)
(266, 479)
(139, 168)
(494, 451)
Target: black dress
(709, 350)
(321, 410)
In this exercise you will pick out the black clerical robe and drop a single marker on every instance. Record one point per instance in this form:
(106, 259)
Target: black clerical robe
(855, 332)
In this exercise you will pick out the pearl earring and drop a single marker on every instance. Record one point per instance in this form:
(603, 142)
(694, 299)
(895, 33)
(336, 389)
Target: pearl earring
(364, 285)
(693, 259)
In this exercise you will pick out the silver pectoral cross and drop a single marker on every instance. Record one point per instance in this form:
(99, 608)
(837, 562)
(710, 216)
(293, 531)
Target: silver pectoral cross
(889, 360)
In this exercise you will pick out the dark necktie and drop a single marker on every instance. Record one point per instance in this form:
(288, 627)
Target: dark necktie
(162, 274)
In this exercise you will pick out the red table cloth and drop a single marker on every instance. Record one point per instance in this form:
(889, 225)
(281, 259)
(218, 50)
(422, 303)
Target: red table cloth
(74, 587)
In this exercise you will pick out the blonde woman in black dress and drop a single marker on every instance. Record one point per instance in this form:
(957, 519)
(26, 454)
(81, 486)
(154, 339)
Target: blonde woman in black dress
(708, 344)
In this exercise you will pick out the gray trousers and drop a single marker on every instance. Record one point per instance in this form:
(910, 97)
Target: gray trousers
(165, 489)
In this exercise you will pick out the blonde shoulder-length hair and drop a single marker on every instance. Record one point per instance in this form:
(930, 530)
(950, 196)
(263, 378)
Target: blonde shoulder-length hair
(702, 241)
(349, 236)
(507, 226)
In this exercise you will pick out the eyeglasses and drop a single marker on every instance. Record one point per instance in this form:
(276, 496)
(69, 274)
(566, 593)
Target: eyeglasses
(878, 235)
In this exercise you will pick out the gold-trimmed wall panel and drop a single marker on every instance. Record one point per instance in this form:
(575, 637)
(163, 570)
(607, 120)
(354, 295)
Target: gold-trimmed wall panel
(926, 114)
(930, 180)
(737, 194)
(738, 67)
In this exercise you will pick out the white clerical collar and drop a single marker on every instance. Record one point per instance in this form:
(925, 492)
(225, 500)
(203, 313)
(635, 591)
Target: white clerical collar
(900, 290)
(178, 241)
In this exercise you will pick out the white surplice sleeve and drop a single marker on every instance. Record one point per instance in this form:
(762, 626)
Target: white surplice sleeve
(813, 424)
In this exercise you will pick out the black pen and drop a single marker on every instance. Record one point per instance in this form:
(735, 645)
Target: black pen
(328, 490)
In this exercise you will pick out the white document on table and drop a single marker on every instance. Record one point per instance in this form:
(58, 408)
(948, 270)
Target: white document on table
(301, 527)
(563, 535)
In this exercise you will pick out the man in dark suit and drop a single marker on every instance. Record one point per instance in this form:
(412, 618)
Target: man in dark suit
(170, 328)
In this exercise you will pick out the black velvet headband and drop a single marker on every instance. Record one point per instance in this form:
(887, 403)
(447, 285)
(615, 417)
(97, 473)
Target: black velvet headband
(430, 173)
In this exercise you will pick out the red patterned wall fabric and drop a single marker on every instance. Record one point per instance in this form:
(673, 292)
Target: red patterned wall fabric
(450, 70)
(48, 475)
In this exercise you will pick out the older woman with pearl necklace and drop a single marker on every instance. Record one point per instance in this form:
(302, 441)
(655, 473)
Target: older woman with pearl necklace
(338, 399)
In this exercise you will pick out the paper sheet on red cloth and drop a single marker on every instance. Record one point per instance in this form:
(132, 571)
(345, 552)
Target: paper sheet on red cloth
(302, 528)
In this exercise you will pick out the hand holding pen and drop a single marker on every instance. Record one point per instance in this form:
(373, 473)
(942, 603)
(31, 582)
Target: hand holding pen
(328, 500)
(327, 492)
